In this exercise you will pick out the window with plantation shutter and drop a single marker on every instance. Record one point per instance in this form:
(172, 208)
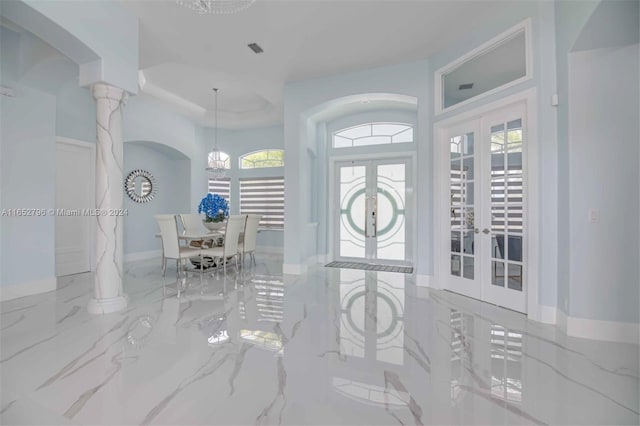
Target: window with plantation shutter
(264, 196)
(221, 187)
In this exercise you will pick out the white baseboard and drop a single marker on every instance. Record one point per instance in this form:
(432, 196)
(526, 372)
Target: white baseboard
(426, 281)
(608, 331)
(270, 249)
(546, 315)
(294, 268)
(27, 289)
(142, 255)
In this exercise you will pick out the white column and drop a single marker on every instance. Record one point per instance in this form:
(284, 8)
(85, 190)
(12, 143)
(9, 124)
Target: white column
(108, 294)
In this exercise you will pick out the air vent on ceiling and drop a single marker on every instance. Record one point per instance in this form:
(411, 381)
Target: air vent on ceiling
(465, 86)
(255, 47)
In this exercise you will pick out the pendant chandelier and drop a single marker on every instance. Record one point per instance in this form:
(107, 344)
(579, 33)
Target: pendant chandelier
(216, 7)
(215, 164)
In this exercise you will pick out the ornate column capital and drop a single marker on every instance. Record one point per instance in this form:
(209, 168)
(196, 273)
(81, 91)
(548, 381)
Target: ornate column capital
(106, 91)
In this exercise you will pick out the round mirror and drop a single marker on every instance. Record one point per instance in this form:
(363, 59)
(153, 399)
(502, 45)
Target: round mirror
(140, 186)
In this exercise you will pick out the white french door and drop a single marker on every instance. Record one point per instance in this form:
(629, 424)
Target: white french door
(371, 218)
(485, 173)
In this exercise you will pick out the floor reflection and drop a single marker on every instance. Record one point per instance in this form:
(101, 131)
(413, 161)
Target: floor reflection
(334, 346)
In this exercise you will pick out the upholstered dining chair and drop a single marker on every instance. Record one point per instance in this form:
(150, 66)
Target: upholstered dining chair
(248, 245)
(171, 248)
(235, 225)
(192, 224)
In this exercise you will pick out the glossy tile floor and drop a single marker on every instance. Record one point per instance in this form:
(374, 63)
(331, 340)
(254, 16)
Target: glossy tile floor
(331, 347)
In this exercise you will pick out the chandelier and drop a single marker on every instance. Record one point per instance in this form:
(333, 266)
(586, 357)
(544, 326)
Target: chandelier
(215, 164)
(217, 7)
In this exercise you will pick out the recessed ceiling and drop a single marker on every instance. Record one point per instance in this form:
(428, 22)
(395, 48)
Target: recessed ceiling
(185, 54)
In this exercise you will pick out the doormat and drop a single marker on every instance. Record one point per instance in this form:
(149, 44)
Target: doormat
(371, 267)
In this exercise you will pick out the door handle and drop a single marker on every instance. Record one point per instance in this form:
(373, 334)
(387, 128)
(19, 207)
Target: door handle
(374, 219)
(476, 230)
(370, 208)
(485, 231)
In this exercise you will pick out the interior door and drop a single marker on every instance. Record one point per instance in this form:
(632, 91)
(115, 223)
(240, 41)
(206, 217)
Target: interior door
(372, 218)
(74, 192)
(485, 210)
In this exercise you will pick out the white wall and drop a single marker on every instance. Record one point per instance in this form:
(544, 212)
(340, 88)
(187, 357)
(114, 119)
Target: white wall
(604, 175)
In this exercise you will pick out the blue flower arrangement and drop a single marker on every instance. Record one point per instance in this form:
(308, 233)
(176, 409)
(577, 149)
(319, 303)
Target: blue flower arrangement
(215, 208)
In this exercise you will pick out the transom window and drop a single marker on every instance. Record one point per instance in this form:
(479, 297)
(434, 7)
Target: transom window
(223, 156)
(264, 158)
(373, 134)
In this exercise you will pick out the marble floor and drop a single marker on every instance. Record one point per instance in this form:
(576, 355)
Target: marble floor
(331, 347)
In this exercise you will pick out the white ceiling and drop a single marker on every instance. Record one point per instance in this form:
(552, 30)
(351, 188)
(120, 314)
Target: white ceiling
(184, 55)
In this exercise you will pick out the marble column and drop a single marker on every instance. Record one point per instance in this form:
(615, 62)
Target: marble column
(108, 293)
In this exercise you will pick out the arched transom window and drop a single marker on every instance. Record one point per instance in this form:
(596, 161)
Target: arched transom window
(264, 158)
(373, 134)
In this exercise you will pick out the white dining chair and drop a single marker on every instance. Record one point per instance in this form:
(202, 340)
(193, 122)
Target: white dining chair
(248, 245)
(192, 224)
(171, 248)
(235, 225)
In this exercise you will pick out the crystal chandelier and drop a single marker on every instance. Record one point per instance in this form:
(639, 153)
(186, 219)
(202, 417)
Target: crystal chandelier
(215, 164)
(217, 7)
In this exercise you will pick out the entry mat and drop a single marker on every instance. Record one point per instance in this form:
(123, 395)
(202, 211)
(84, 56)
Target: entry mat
(371, 267)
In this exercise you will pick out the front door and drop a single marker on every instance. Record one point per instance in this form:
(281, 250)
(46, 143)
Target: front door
(485, 183)
(373, 211)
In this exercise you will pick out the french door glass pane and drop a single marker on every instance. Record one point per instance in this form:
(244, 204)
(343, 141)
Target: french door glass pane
(507, 211)
(390, 221)
(462, 196)
(352, 211)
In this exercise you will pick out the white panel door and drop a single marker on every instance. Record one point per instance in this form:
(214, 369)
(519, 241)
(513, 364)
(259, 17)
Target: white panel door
(484, 254)
(74, 192)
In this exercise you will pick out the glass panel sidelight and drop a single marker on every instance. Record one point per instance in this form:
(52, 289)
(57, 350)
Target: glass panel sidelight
(462, 197)
(507, 205)
(390, 221)
(352, 211)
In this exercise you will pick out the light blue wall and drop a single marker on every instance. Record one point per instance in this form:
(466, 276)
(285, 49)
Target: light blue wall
(146, 119)
(171, 171)
(570, 17)
(76, 112)
(27, 133)
(601, 148)
(27, 144)
(604, 150)
(594, 280)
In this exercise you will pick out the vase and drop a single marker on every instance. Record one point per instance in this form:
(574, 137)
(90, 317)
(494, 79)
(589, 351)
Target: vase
(214, 226)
